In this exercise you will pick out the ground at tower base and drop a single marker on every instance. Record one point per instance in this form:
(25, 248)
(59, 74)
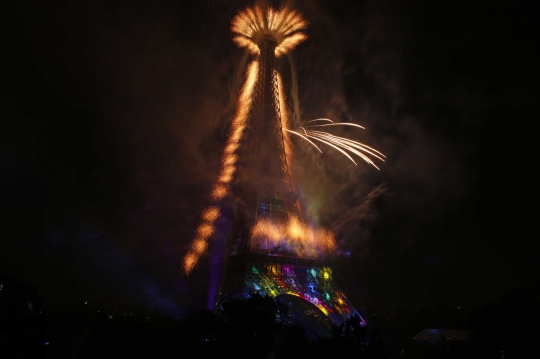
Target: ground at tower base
(255, 328)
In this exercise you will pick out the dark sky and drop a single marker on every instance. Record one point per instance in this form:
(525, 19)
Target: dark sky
(114, 115)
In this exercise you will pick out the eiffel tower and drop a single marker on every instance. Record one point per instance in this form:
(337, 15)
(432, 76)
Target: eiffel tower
(264, 191)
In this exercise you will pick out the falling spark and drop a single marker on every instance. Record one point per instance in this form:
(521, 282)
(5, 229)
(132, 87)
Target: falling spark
(354, 144)
(336, 147)
(340, 124)
(321, 119)
(305, 138)
(283, 26)
(341, 144)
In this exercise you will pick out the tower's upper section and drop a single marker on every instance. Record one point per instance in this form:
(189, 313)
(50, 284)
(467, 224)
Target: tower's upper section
(263, 166)
(268, 219)
(284, 27)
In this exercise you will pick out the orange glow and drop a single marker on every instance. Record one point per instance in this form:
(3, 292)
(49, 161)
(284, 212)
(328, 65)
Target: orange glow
(243, 42)
(294, 229)
(283, 26)
(200, 243)
(199, 246)
(285, 122)
(231, 147)
(189, 262)
(205, 230)
(230, 160)
(289, 43)
(226, 174)
(225, 178)
(237, 130)
(292, 237)
(220, 190)
(211, 214)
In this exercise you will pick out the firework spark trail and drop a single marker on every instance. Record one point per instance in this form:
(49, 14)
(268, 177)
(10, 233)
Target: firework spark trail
(289, 43)
(285, 122)
(336, 147)
(305, 138)
(321, 119)
(284, 26)
(208, 217)
(346, 144)
(355, 144)
(349, 148)
(340, 124)
(341, 144)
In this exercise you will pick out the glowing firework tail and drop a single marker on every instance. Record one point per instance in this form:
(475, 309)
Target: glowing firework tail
(285, 123)
(339, 143)
(237, 130)
(283, 26)
(206, 227)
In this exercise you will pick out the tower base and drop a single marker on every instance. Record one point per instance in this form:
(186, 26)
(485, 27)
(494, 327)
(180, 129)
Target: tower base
(304, 285)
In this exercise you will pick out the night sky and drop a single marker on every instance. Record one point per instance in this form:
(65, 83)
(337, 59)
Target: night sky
(114, 115)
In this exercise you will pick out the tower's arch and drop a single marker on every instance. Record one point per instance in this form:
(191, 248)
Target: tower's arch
(304, 314)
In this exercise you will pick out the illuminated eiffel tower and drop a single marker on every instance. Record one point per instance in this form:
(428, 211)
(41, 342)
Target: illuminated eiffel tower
(255, 262)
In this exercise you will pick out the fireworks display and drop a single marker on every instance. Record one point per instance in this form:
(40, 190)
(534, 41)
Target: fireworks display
(291, 238)
(285, 28)
(339, 143)
(209, 216)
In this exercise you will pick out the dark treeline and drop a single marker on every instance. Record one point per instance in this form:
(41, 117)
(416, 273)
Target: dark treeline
(256, 328)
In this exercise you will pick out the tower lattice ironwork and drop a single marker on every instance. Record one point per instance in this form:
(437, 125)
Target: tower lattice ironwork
(263, 190)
